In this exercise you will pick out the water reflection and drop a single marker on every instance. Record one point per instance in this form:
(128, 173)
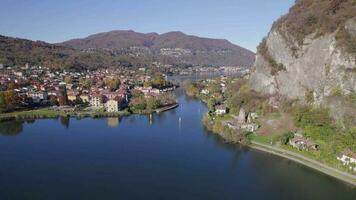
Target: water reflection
(113, 122)
(65, 121)
(11, 128)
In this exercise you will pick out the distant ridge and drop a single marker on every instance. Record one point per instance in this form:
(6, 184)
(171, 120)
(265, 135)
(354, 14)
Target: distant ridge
(172, 47)
(125, 49)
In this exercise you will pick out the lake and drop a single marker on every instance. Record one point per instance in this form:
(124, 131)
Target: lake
(166, 156)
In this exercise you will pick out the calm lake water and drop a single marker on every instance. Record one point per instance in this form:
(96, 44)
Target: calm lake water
(139, 157)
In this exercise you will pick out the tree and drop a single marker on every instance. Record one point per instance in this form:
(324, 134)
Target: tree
(2, 102)
(68, 79)
(152, 103)
(53, 100)
(11, 100)
(147, 84)
(113, 84)
(86, 83)
(138, 103)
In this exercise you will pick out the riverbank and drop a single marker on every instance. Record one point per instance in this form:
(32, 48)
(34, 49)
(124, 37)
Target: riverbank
(232, 137)
(323, 168)
(166, 108)
(49, 113)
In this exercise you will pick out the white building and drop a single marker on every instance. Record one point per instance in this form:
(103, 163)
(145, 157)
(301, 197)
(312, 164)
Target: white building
(112, 106)
(96, 101)
(347, 157)
(220, 110)
(205, 91)
(37, 96)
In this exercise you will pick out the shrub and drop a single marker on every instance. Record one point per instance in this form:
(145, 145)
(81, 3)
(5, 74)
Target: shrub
(346, 41)
(316, 16)
(305, 116)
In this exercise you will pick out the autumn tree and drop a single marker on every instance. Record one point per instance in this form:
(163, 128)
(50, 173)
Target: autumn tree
(2, 102)
(152, 103)
(113, 83)
(68, 79)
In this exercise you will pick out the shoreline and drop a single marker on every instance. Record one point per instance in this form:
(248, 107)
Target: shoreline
(325, 169)
(345, 177)
(308, 162)
(340, 175)
(50, 114)
(166, 108)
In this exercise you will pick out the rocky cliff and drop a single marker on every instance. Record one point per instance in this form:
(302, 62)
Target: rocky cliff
(310, 53)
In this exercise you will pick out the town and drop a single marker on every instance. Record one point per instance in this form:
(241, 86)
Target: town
(105, 90)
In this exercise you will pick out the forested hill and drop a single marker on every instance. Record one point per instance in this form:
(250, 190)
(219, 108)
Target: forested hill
(14, 51)
(168, 48)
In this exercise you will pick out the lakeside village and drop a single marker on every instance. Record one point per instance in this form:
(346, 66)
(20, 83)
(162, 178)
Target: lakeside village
(240, 115)
(35, 91)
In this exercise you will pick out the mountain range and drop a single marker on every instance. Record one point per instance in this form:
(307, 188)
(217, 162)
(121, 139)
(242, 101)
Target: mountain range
(125, 48)
(169, 48)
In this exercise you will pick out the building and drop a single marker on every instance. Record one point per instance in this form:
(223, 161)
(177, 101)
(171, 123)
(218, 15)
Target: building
(348, 157)
(241, 119)
(37, 96)
(112, 106)
(251, 127)
(73, 95)
(205, 91)
(84, 98)
(97, 100)
(302, 143)
(220, 109)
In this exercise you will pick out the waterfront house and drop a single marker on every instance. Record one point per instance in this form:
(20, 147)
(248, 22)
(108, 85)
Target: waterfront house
(73, 95)
(37, 96)
(114, 105)
(348, 157)
(97, 100)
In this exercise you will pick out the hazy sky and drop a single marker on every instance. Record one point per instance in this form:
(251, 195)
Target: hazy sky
(243, 22)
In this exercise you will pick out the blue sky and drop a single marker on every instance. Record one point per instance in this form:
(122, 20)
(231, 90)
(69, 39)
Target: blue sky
(243, 22)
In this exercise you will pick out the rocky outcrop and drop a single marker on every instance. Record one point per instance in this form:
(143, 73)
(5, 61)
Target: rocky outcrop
(313, 71)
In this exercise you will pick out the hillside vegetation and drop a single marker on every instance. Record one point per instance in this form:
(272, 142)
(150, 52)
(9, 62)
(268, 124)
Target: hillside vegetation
(321, 17)
(15, 51)
(168, 48)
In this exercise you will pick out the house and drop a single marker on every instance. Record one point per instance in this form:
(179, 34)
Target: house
(37, 96)
(220, 109)
(205, 91)
(97, 100)
(241, 119)
(73, 95)
(112, 105)
(84, 98)
(302, 143)
(348, 157)
(251, 127)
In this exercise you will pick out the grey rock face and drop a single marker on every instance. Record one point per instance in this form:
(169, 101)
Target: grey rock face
(319, 67)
